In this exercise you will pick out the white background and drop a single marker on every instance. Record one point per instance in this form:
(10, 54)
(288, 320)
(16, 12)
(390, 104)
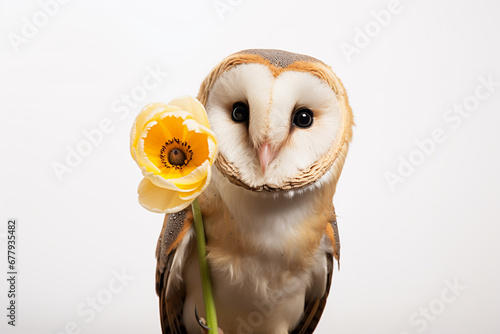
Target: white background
(399, 245)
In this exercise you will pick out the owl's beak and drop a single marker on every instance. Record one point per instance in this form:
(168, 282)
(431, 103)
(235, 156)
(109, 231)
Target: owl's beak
(266, 155)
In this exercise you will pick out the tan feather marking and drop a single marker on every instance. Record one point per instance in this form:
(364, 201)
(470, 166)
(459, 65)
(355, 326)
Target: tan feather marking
(330, 234)
(305, 243)
(333, 233)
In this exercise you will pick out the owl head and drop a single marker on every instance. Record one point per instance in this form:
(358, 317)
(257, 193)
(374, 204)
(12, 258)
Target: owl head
(282, 119)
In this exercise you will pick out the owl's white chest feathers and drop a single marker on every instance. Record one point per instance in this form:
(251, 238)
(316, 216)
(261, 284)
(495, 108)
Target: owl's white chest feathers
(266, 253)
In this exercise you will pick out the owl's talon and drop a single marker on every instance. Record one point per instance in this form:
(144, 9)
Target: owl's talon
(202, 323)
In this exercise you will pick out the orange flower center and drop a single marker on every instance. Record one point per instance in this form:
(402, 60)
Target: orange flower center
(175, 154)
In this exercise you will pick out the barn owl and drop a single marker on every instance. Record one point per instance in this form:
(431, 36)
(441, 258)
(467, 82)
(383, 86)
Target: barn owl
(284, 124)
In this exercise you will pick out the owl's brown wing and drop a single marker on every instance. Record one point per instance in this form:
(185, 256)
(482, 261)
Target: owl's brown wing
(171, 297)
(314, 309)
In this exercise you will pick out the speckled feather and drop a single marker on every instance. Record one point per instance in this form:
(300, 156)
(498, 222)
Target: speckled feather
(170, 304)
(280, 58)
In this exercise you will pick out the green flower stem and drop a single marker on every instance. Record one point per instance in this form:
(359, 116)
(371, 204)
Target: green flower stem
(206, 281)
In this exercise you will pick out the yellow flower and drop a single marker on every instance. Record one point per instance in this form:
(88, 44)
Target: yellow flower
(175, 148)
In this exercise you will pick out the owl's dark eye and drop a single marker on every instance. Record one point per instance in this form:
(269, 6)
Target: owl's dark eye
(240, 112)
(303, 118)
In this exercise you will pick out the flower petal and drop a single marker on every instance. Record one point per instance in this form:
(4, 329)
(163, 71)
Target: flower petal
(211, 138)
(189, 196)
(146, 114)
(194, 107)
(186, 183)
(158, 199)
(194, 177)
(212, 149)
(142, 159)
(161, 182)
